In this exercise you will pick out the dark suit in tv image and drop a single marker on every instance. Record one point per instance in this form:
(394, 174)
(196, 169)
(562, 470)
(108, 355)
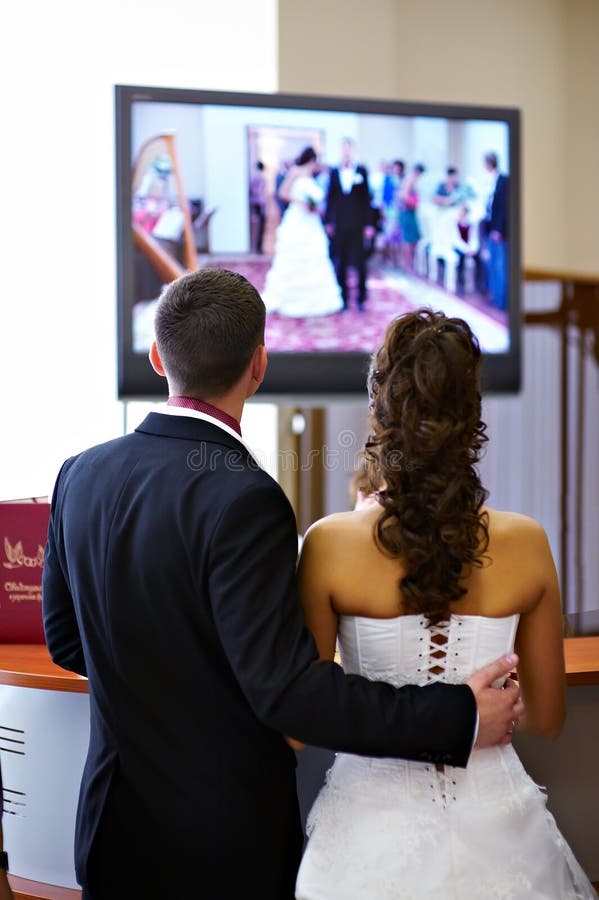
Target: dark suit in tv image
(347, 217)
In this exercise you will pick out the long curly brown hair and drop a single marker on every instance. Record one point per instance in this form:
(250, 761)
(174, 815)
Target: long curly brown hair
(427, 436)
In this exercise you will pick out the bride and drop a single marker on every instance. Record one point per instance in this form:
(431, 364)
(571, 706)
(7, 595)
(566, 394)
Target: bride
(301, 281)
(426, 585)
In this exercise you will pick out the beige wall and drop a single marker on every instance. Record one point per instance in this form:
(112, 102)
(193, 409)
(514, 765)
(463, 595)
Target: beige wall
(582, 134)
(533, 54)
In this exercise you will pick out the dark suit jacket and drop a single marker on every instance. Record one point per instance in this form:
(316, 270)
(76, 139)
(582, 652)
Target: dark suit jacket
(497, 219)
(350, 211)
(169, 580)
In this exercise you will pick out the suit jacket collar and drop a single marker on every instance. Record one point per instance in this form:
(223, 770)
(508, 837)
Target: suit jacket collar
(190, 429)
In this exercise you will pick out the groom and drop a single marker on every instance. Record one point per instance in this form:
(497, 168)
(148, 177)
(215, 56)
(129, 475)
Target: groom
(169, 580)
(349, 220)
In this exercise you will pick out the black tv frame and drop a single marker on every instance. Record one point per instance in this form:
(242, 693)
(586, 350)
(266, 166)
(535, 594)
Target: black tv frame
(303, 377)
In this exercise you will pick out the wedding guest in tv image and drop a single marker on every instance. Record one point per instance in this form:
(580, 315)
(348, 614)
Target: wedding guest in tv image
(410, 212)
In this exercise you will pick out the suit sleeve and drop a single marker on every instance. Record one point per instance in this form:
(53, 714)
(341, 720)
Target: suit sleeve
(60, 623)
(258, 616)
(330, 213)
(368, 213)
(499, 207)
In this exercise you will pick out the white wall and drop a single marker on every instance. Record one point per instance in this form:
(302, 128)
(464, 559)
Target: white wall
(57, 309)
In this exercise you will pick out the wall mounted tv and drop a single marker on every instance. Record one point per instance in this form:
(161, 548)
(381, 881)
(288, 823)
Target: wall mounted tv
(404, 205)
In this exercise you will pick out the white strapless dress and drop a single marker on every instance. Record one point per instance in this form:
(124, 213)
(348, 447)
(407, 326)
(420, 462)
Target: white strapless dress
(386, 829)
(301, 280)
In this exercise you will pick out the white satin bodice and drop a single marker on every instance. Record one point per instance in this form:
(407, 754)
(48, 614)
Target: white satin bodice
(401, 650)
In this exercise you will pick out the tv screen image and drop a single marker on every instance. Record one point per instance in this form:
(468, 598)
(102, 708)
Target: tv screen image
(343, 214)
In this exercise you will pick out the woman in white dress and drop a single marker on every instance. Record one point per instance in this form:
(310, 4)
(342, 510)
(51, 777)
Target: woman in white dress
(301, 280)
(430, 584)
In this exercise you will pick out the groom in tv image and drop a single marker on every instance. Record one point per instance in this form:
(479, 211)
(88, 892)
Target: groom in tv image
(349, 220)
(169, 580)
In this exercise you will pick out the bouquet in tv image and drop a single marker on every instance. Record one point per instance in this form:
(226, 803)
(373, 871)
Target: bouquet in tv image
(342, 220)
(23, 531)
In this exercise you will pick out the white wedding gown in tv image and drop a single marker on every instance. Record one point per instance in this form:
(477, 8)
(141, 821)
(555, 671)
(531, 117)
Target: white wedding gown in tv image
(301, 281)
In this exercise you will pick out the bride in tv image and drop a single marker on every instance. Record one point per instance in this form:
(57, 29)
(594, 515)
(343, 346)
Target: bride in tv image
(301, 281)
(428, 584)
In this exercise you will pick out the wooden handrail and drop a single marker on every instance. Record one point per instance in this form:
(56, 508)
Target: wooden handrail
(578, 311)
(29, 665)
(565, 277)
(24, 889)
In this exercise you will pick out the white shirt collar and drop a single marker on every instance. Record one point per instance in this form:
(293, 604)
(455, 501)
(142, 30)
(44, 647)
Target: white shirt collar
(347, 177)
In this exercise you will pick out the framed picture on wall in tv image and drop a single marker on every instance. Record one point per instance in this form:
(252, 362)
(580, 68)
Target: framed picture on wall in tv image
(343, 212)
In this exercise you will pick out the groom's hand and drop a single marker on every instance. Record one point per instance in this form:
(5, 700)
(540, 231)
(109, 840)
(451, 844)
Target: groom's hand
(498, 710)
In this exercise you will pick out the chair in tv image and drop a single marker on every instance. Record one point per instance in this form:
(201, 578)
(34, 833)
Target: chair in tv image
(272, 152)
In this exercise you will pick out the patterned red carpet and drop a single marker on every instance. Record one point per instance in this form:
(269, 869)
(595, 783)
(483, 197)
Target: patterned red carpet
(389, 295)
(391, 292)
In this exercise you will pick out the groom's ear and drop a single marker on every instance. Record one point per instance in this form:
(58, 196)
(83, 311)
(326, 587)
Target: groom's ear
(258, 365)
(156, 361)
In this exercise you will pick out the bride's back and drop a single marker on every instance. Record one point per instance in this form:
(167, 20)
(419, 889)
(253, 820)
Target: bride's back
(365, 581)
(429, 547)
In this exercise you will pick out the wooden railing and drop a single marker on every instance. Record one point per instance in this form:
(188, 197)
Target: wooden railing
(578, 314)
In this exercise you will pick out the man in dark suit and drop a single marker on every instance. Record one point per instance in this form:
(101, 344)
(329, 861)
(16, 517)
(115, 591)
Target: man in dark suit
(169, 580)
(349, 220)
(495, 230)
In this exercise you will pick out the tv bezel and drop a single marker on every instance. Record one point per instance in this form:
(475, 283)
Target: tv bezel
(303, 377)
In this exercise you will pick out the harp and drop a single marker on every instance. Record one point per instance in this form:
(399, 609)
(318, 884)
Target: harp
(161, 220)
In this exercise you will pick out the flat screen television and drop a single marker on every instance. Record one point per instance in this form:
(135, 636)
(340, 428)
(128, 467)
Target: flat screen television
(343, 212)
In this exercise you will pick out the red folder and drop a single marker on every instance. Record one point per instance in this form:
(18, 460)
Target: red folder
(23, 532)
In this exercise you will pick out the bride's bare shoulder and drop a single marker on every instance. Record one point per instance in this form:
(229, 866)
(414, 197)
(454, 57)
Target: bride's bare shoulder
(507, 521)
(342, 525)
(515, 529)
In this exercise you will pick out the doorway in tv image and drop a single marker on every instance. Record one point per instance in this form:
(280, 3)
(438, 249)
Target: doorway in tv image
(341, 220)
(272, 151)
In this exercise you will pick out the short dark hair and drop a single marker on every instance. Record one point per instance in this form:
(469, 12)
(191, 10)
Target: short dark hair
(451, 170)
(491, 160)
(207, 325)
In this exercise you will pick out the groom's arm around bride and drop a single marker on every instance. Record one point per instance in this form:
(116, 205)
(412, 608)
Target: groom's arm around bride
(258, 616)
